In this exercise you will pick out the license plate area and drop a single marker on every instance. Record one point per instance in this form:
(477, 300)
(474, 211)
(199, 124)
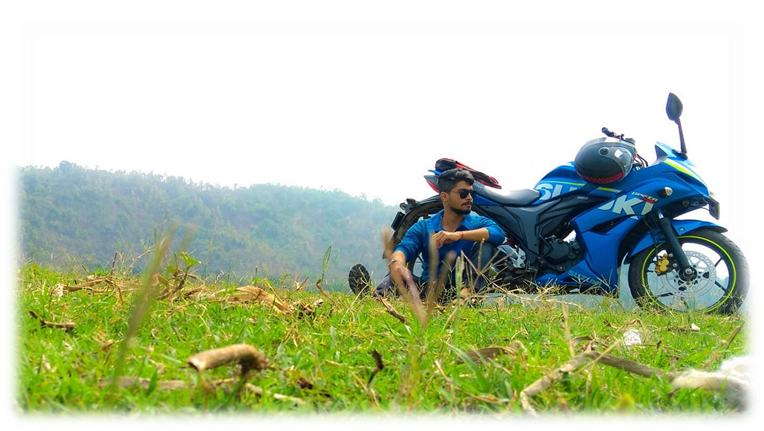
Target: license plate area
(714, 208)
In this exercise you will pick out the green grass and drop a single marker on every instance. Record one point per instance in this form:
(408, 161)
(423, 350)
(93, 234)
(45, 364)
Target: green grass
(60, 372)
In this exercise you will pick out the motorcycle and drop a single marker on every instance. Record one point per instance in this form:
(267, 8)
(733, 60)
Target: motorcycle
(578, 234)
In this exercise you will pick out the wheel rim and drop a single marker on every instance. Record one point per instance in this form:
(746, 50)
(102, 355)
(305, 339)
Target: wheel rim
(711, 288)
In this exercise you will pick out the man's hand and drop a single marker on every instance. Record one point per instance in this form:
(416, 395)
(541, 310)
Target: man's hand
(401, 275)
(444, 237)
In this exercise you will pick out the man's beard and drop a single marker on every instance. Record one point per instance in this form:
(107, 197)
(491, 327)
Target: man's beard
(461, 211)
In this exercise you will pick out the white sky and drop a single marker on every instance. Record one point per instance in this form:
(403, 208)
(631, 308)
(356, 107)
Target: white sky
(365, 98)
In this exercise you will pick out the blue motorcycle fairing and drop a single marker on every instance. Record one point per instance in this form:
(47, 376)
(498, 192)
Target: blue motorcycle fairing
(666, 154)
(638, 201)
(637, 194)
(580, 275)
(681, 227)
(600, 264)
(629, 201)
(560, 181)
(669, 165)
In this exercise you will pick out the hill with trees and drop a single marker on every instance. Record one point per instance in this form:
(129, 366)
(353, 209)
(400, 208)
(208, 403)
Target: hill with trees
(74, 215)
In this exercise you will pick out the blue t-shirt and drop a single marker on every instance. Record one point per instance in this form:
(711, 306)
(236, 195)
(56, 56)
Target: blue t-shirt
(417, 239)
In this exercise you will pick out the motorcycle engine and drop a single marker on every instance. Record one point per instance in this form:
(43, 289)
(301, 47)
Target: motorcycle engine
(516, 255)
(557, 251)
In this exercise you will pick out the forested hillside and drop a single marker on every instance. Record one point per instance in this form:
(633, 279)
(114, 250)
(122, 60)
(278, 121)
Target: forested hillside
(73, 214)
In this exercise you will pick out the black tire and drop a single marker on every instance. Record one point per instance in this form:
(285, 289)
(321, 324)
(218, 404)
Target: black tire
(720, 287)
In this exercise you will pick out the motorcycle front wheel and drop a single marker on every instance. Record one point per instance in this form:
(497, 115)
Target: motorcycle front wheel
(720, 285)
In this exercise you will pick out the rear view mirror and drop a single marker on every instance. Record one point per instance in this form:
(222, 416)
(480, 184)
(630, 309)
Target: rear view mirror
(673, 107)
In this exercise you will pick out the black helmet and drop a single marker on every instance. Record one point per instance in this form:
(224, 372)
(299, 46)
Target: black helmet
(605, 160)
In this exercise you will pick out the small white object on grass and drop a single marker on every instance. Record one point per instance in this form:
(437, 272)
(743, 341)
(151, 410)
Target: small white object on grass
(632, 338)
(733, 377)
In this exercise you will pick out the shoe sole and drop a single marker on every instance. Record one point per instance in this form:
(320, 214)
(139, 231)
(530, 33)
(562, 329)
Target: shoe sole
(358, 279)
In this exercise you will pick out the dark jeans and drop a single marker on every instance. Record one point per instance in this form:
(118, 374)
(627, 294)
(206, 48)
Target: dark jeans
(479, 258)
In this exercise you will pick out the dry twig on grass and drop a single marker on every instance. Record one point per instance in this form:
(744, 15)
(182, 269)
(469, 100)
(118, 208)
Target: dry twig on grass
(565, 321)
(545, 382)
(307, 310)
(193, 291)
(321, 289)
(66, 326)
(379, 365)
(410, 293)
(717, 353)
(247, 356)
(435, 287)
(734, 333)
(136, 259)
(489, 353)
(256, 294)
(113, 262)
(90, 283)
(173, 385)
(76, 288)
(393, 312)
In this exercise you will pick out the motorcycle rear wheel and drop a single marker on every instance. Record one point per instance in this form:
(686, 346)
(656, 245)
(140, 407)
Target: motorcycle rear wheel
(720, 286)
(421, 211)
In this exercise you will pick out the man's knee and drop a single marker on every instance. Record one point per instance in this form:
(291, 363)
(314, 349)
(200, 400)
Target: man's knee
(385, 287)
(481, 256)
(482, 253)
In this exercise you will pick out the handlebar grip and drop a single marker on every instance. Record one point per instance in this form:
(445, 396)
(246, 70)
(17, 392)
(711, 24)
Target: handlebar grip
(610, 134)
(607, 132)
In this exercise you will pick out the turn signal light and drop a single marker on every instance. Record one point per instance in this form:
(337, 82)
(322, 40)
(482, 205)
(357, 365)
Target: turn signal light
(665, 192)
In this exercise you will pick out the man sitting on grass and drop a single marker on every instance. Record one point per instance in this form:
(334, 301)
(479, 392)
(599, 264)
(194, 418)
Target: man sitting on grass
(454, 229)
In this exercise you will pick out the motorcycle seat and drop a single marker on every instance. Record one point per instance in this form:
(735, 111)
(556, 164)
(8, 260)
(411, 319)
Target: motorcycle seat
(514, 198)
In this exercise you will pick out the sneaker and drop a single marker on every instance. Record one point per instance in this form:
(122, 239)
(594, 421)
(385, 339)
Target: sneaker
(358, 279)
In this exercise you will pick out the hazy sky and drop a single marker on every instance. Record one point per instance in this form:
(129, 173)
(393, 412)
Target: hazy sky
(365, 99)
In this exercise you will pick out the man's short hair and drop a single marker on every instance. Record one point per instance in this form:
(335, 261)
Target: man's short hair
(448, 179)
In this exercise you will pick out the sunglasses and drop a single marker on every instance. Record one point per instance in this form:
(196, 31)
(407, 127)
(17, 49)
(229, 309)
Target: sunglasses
(464, 192)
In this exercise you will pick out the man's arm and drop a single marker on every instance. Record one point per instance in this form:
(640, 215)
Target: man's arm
(407, 249)
(476, 235)
(397, 257)
(495, 233)
(398, 270)
(411, 244)
(487, 231)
